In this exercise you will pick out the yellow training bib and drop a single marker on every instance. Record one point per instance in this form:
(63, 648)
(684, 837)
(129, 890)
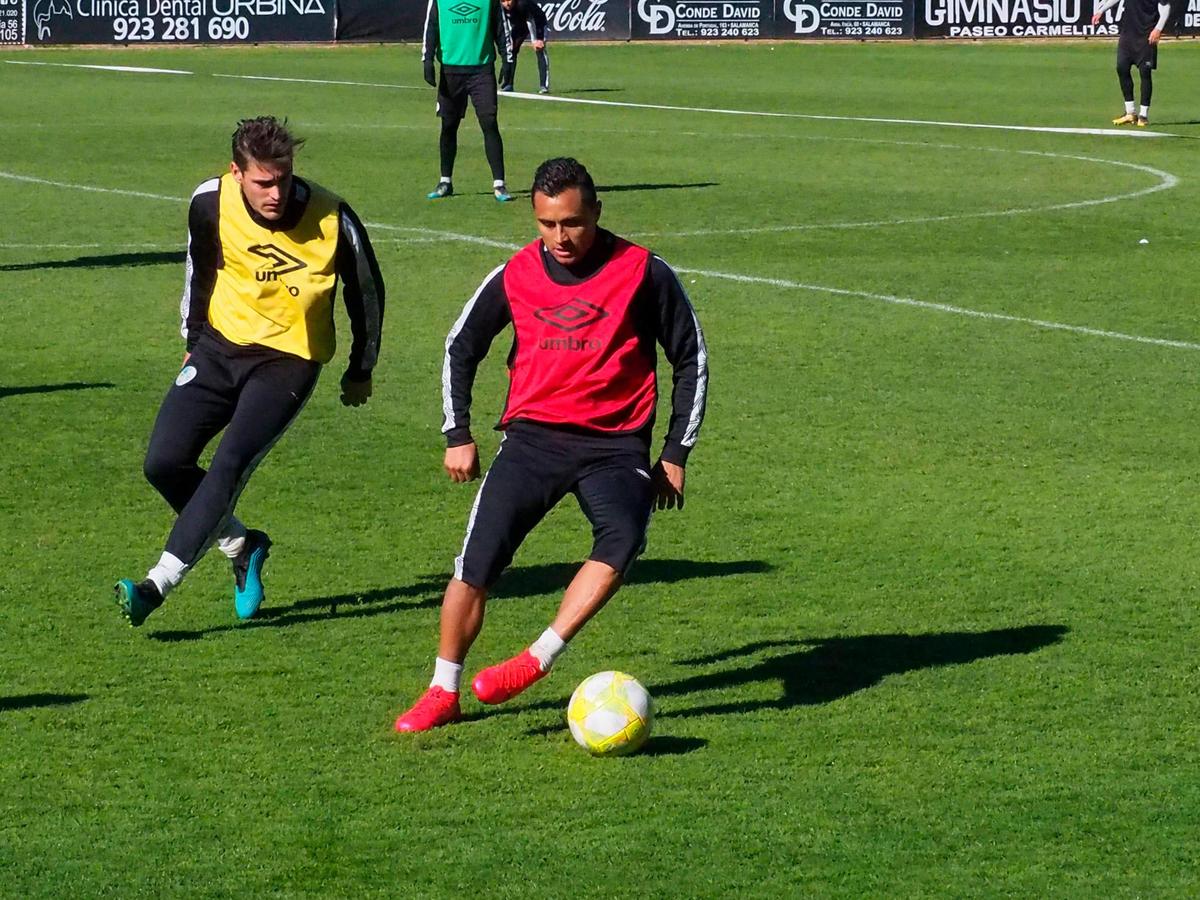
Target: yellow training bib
(276, 288)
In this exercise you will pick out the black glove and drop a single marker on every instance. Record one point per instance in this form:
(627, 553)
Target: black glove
(430, 77)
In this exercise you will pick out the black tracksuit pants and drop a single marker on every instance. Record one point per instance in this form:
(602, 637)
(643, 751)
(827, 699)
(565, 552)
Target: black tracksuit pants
(254, 393)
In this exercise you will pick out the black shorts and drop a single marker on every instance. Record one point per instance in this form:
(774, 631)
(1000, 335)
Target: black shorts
(538, 466)
(1136, 50)
(455, 87)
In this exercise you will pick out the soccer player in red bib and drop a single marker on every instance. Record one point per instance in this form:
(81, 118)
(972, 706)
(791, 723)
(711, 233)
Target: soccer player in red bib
(588, 309)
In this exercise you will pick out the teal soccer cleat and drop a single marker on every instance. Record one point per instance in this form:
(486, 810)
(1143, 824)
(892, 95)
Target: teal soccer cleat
(136, 601)
(502, 194)
(444, 189)
(247, 574)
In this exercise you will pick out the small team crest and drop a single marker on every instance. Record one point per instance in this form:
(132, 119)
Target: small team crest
(186, 374)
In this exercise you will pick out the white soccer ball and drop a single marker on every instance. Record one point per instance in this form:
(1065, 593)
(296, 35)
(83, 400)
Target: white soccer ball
(610, 714)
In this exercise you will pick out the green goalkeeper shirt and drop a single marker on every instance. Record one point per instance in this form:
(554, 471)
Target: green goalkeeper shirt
(465, 34)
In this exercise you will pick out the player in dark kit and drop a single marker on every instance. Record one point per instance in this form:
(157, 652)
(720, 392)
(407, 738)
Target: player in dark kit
(587, 309)
(526, 20)
(1139, 31)
(464, 37)
(266, 250)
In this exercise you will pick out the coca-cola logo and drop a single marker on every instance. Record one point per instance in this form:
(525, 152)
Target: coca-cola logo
(575, 15)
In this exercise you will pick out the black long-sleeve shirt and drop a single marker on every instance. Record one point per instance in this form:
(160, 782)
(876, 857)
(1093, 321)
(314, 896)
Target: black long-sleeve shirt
(661, 312)
(1139, 17)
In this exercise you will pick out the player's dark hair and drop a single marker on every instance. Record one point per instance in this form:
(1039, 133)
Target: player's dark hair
(557, 175)
(264, 139)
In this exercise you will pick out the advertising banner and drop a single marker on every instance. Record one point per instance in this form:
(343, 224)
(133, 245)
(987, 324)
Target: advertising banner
(1011, 18)
(700, 19)
(588, 20)
(1191, 17)
(855, 19)
(178, 21)
(12, 21)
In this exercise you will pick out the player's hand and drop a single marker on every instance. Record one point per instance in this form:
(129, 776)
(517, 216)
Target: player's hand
(1096, 18)
(187, 354)
(1155, 35)
(430, 75)
(668, 484)
(355, 393)
(462, 463)
(539, 45)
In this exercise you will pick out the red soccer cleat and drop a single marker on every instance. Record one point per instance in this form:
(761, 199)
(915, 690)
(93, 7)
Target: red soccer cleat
(436, 707)
(505, 680)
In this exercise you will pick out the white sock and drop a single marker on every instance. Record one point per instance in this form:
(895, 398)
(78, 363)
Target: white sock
(1144, 112)
(547, 648)
(446, 675)
(1130, 106)
(497, 183)
(445, 179)
(232, 539)
(167, 573)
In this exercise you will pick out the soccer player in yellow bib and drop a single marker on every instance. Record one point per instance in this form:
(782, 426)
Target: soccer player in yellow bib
(266, 250)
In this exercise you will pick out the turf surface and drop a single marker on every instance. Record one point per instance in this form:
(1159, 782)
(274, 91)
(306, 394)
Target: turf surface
(925, 627)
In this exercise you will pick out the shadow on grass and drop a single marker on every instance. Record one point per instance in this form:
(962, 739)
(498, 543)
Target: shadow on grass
(519, 581)
(821, 670)
(109, 261)
(53, 388)
(672, 746)
(32, 701)
(346, 606)
(525, 581)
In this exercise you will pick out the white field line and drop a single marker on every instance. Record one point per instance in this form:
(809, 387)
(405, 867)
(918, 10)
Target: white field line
(550, 98)
(446, 235)
(122, 247)
(30, 62)
(1166, 181)
(374, 84)
(943, 308)
(843, 292)
(1107, 132)
(29, 179)
(91, 247)
(423, 233)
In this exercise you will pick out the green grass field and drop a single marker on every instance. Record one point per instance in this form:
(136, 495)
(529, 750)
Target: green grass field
(926, 626)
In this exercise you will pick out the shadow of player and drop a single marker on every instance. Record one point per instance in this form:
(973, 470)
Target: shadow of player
(820, 670)
(34, 701)
(823, 670)
(16, 390)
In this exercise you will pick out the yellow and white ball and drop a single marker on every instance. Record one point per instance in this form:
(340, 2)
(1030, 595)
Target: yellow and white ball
(610, 714)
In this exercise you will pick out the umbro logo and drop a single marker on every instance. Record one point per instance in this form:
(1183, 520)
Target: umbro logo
(464, 9)
(280, 262)
(571, 316)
